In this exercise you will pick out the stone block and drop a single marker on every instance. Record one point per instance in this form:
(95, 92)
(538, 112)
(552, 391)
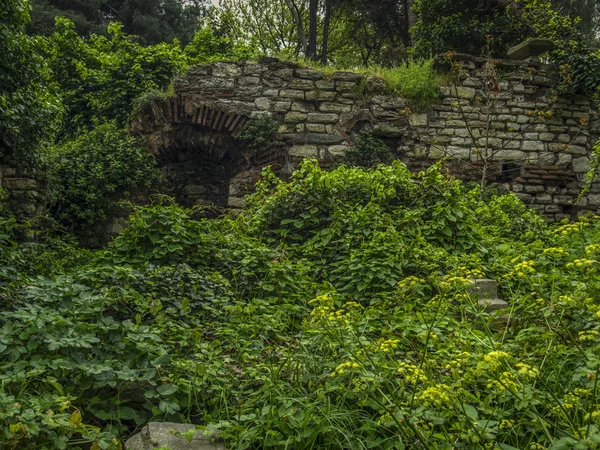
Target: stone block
(325, 85)
(581, 165)
(577, 150)
(328, 107)
(282, 106)
(226, 70)
(547, 137)
(263, 103)
(320, 95)
(304, 151)
(292, 93)
(294, 117)
(323, 118)
(543, 199)
(303, 106)
(418, 120)
(532, 146)
(158, 435)
(315, 128)
(305, 85)
(484, 288)
(338, 150)
(284, 74)
(309, 74)
(345, 86)
(271, 93)
(511, 155)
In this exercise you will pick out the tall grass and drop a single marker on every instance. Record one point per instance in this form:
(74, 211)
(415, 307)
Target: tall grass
(415, 80)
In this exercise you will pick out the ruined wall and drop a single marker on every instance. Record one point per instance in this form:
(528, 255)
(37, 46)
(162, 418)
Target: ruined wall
(24, 194)
(535, 144)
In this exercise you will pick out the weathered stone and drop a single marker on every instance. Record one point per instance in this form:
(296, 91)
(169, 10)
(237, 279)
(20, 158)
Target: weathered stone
(320, 95)
(581, 165)
(329, 107)
(303, 151)
(282, 106)
(303, 106)
(225, 70)
(337, 150)
(532, 146)
(315, 128)
(158, 435)
(325, 85)
(376, 85)
(418, 120)
(290, 93)
(263, 103)
(323, 118)
(309, 74)
(345, 86)
(295, 117)
(305, 85)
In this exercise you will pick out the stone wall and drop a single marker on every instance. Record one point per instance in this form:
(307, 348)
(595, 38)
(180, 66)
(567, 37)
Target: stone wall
(536, 145)
(25, 195)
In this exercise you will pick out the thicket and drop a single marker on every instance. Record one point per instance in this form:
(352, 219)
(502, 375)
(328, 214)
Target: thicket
(333, 312)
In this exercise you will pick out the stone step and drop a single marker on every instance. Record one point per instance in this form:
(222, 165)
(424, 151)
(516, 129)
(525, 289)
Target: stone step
(492, 304)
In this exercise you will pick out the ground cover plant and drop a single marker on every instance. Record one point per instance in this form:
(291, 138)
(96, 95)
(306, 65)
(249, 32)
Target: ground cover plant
(333, 312)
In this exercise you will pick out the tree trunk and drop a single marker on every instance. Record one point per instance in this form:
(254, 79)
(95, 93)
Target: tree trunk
(294, 10)
(312, 32)
(409, 21)
(326, 32)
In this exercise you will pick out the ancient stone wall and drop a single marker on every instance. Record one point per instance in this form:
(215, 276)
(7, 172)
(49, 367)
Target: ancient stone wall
(25, 196)
(500, 117)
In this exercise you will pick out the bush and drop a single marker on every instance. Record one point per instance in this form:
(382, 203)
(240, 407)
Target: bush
(260, 133)
(335, 311)
(93, 172)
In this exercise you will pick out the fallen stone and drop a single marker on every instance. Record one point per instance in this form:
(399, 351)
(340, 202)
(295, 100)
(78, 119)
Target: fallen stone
(159, 434)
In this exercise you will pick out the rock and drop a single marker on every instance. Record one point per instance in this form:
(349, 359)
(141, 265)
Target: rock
(376, 85)
(303, 151)
(322, 118)
(159, 434)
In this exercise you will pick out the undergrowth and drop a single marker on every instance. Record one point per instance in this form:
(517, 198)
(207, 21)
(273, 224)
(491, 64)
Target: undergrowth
(334, 312)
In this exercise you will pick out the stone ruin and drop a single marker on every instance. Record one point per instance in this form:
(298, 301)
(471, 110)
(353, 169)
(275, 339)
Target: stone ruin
(539, 144)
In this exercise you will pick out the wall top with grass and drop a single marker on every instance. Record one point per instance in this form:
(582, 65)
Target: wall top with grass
(494, 121)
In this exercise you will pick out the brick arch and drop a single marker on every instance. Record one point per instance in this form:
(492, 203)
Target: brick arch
(199, 148)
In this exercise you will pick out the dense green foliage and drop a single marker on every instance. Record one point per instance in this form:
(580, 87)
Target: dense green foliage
(100, 77)
(332, 313)
(462, 26)
(335, 310)
(152, 20)
(29, 107)
(95, 171)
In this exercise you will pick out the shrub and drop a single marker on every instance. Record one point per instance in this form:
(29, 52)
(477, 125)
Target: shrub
(94, 171)
(260, 132)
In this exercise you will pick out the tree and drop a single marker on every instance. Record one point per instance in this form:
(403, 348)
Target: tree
(154, 21)
(462, 26)
(29, 107)
(101, 77)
